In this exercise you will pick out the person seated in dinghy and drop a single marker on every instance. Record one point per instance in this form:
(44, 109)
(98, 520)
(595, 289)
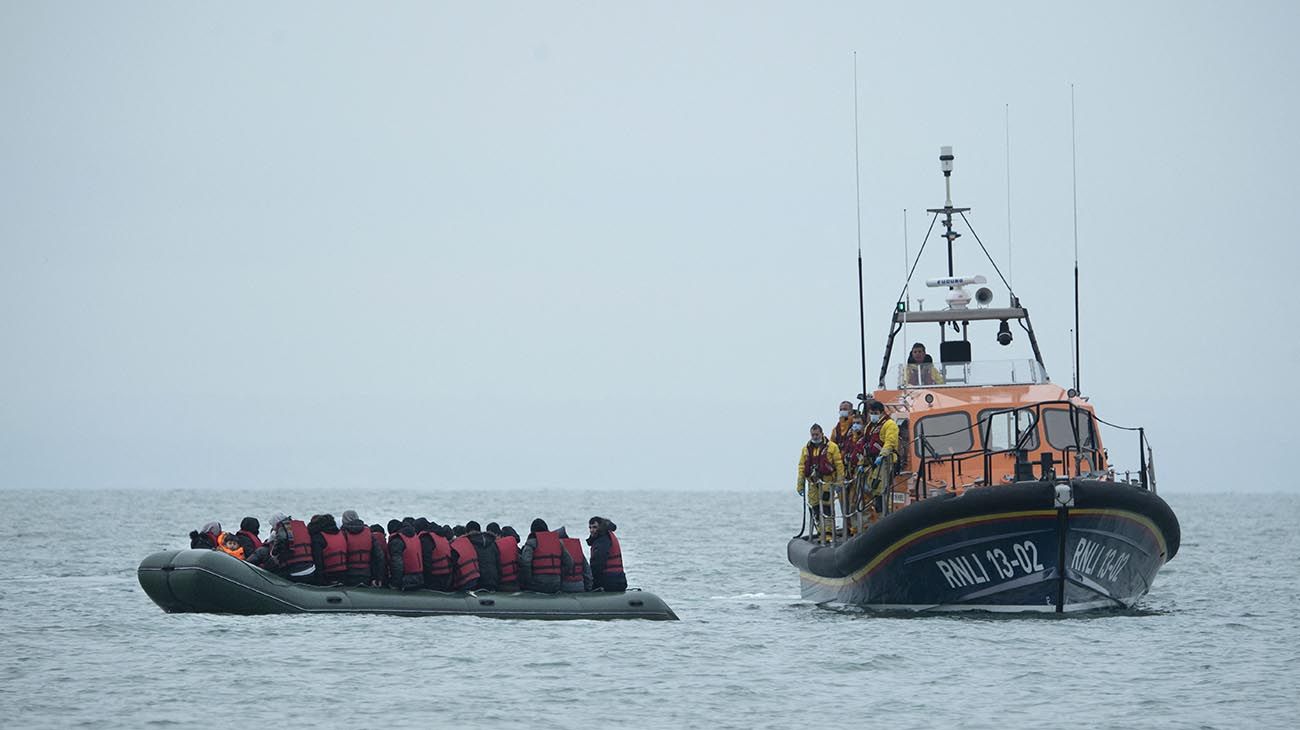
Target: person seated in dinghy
(205, 538)
(230, 545)
(920, 368)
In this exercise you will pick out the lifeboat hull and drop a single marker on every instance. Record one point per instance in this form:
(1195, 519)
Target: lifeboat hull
(1028, 547)
(209, 581)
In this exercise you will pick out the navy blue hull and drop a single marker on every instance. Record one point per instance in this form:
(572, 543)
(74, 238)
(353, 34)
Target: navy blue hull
(1011, 548)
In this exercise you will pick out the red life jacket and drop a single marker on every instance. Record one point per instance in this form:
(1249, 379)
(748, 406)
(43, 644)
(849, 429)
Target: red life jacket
(546, 556)
(412, 556)
(257, 541)
(818, 463)
(466, 561)
(853, 450)
(614, 561)
(874, 442)
(334, 556)
(299, 545)
(508, 552)
(573, 546)
(360, 545)
(440, 561)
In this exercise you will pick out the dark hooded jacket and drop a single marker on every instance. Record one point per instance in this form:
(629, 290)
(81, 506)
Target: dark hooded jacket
(575, 586)
(602, 579)
(489, 571)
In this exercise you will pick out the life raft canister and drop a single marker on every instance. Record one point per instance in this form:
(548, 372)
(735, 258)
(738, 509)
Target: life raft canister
(508, 555)
(412, 556)
(299, 546)
(334, 556)
(573, 546)
(466, 561)
(546, 556)
(360, 545)
(818, 462)
(257, 541)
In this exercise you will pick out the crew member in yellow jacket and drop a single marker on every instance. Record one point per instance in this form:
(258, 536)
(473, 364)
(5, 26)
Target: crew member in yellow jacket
(882, 434)
(820, 467)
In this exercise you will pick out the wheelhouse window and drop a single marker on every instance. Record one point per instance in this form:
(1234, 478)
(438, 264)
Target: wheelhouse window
(944, 434)
(1008, 430)
(1061, 435)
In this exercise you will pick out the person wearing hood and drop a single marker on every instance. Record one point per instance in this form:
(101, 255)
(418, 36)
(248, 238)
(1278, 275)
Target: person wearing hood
(359, 561)
(485, 545)
(247, 535)
(507, 545)
(543, 560)
(577, 578)
(205, 538)
(405, 560)
(290, 549)
(329, 549)
(606, 556)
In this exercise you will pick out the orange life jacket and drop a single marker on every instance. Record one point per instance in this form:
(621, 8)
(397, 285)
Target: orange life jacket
(237, 551)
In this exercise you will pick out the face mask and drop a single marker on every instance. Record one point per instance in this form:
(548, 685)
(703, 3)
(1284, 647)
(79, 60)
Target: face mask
(817, 440)
(844, 413)
(875, 418)
(856, 427)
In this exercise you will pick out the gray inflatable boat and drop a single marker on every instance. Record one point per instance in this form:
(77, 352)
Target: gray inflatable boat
(210, 581)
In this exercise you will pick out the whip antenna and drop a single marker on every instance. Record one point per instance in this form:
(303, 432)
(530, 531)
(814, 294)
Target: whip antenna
(1074, 175)
(1008, 125)
(857, 189)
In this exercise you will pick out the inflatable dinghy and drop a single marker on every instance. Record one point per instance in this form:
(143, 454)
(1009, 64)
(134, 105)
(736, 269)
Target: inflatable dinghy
(210, 581)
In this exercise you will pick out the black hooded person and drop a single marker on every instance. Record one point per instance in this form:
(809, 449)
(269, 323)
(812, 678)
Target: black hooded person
(329, 549)
(485, 544)
(362, 552)
(543, 560)
(248, 535)
(606, 556)
(405, 561)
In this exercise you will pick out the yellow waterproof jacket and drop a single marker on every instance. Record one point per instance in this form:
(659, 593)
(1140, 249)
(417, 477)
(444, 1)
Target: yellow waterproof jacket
(888, 437)
(842, 430)
(832, 454)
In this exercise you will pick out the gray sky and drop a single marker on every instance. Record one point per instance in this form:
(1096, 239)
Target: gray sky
(461, 245)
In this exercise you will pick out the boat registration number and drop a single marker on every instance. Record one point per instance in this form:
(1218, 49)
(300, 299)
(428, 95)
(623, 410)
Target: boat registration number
(994, 564)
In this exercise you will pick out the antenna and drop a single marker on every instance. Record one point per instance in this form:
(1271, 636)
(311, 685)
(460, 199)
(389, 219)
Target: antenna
(857, 189)
(1008, 125)
(1074, 175)
(907, 287)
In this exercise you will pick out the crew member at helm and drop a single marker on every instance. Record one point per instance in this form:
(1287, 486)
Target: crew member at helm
(920, 368)
(820, 467)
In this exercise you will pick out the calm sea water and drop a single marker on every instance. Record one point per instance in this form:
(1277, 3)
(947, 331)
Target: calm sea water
(1216, 643)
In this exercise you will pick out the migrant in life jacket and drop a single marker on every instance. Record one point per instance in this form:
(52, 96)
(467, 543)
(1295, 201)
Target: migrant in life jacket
(252, 537)
(466, 562)
(227, 543)
(334, 558)
(508, 554)
(360, 545)
(412, 557)
(546, 556)
(440, 562)
(378, 539)
(573, 546)
(614, 561)
(299, 546)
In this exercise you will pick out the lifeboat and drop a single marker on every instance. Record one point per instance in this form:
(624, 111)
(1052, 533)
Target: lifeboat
(1001, 496)
(210, 581)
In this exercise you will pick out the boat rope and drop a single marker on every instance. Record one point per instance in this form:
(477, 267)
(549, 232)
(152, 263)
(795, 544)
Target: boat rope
(917, 260)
